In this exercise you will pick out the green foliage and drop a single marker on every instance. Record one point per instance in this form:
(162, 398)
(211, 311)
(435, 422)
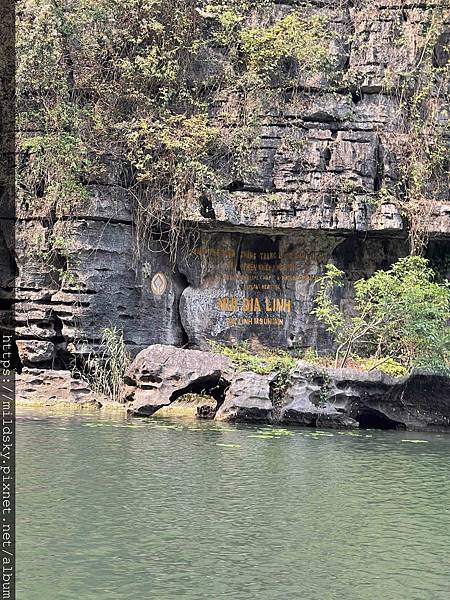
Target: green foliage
(266, 361)
(386, 365)
(325, 309)
(325, 388)
(310, 355)
(421, 142)
(101, 78)
(400, 314)
(104, 370)
(298, 36)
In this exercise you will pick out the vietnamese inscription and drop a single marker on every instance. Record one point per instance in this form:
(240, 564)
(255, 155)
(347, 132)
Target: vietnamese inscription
(257, 287)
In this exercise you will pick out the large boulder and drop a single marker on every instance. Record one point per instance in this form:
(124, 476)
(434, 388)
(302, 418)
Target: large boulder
(161, 374)
(248, 398)
(326, 397)
(33, 352)
(308, 401)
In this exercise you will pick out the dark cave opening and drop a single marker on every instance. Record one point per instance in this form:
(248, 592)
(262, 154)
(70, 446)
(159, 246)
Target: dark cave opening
(210, 386)
(62, 359)
(236, 186)
(370, 418)
(184, 335)
(206, 208)
(356, 96)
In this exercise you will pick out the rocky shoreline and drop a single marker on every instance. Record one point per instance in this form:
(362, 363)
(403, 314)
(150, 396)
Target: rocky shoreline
(309, 396)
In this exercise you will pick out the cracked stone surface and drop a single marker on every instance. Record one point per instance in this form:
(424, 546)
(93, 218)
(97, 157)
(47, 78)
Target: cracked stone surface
(248, 399)
(319, 159)
(161, 374)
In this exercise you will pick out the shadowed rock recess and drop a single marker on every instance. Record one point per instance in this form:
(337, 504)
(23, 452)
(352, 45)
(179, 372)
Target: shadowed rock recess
(321, 186)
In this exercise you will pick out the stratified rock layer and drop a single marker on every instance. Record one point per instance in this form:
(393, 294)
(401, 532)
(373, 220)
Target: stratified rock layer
(42, 386)
(320, 186)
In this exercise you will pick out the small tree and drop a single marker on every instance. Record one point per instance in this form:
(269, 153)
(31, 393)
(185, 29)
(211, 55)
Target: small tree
(401, 314)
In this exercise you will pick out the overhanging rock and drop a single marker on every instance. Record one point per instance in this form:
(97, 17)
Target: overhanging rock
(161, 374)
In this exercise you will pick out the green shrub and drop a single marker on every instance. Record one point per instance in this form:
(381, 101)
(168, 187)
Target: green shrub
(266, 361)
(105, 369)
(385, 365)
(298, 35)
(402, 314)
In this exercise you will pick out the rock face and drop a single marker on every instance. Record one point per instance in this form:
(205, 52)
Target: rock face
(260, 288)
(303, 412)
(314, 397)
(345, 398)
(35, 351)
(308, 403)
(247, 399)
(161, 374)
(320, 397)
(420, 402)
(105, 285)
(37, 385)
(324, 168)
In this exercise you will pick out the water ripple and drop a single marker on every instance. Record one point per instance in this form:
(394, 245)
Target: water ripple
(199, 511)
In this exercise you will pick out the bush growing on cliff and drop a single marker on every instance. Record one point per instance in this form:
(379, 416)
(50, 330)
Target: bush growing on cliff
(386, 365)
(421, 140)
(122, 82)
(296, 36)
(400, 314)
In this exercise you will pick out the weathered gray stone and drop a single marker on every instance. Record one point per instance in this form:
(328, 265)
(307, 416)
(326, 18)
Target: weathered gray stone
(308, 401)
(161, 374)
(106, 286)
(316, 397)
(420, 401)
(261, 288)
(35, 351)
(247, 399)
(52, 387)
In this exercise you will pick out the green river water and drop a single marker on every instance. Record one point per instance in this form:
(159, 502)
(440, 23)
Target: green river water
(110, 509)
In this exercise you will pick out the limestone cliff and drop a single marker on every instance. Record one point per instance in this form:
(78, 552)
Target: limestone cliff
(322, 184)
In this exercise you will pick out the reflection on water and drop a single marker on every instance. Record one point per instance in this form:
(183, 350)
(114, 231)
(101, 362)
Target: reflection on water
(157, 510)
